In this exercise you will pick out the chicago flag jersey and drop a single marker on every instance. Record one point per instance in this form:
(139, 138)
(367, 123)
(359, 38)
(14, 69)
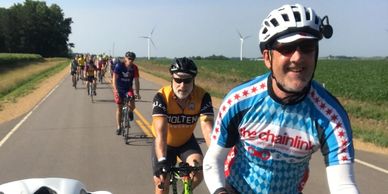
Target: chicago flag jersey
(273, 142)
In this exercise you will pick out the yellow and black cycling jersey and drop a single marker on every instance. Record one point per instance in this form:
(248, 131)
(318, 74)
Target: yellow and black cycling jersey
(89, 70)
(181, 122)
(81, 61)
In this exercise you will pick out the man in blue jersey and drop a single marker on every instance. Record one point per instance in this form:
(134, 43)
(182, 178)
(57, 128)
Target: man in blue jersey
(123, 77)
(268, 128)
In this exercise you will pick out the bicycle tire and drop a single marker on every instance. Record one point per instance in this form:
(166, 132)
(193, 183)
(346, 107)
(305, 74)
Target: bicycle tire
(91, 91)
(128, 126)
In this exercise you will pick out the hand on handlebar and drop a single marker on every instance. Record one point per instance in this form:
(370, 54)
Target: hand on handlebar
(137, 96)
(162, 169)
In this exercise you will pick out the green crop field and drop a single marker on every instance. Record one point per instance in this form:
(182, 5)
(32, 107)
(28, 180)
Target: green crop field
(360, 85)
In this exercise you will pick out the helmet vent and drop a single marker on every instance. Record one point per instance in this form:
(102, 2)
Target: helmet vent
(274, 22)
(308, 16)
(285, 17)
(316, 20)
(297, 16)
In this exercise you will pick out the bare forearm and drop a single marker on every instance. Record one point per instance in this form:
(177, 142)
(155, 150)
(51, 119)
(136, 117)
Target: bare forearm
(206, 127)
(160, 126)
(137, 85)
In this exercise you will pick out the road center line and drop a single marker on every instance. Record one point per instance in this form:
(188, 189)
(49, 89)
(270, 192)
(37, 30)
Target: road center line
(13, 130)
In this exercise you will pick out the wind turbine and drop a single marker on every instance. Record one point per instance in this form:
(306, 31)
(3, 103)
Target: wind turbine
(242, 38)
(149, 40)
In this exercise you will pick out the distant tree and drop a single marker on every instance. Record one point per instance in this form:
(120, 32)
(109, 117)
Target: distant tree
(33, 27)
(217, 57)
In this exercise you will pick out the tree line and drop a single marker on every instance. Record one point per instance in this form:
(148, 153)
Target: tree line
(34, 27)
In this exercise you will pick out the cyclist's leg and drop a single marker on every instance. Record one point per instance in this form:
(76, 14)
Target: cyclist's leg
(94, 85)
(192, 154)
(132, 105)
(118, 101)
(171, 160)
(87, 84)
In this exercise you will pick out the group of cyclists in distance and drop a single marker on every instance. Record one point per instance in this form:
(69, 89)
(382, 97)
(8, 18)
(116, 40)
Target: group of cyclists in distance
(266, 129)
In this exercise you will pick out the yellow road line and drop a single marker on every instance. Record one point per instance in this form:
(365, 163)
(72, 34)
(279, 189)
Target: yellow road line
(145, 126)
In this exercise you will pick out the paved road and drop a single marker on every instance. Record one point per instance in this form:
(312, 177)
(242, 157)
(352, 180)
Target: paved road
(68, 136)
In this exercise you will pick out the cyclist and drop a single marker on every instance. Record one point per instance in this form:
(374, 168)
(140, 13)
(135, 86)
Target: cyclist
(123, 77)
(113, 64)
(73, 70)
(90, 74)
(100, 66)
(176, 109)
(276, 121)
(81, 63)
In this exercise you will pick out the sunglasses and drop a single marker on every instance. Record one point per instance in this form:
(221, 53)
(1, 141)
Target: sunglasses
(305, 47)
(186, 80)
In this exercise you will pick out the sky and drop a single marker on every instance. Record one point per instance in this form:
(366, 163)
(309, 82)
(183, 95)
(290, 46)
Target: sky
(207, 27)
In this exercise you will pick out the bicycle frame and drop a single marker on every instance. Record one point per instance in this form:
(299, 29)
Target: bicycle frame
(125, 122)
(91, 89)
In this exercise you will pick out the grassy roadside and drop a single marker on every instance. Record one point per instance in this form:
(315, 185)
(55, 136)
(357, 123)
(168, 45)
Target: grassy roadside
(367, 108)
(21, 81)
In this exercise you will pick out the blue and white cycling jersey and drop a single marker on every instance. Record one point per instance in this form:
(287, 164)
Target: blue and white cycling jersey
(273, 142)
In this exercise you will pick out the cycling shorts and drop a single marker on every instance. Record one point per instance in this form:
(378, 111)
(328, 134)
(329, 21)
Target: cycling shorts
(90, 78)
(119, 96)
(73, 72)
(183, 152)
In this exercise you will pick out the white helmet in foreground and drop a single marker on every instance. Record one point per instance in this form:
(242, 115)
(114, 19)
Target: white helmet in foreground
(46, 186)
(292, 22)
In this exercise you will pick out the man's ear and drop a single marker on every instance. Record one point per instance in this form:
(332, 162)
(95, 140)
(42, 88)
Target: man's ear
(267, 57)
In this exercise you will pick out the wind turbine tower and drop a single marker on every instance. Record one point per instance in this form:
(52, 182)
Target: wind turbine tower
(242, 38)
(149, 41)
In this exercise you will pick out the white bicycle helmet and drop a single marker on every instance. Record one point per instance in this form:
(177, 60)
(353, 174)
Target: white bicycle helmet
(292, 22)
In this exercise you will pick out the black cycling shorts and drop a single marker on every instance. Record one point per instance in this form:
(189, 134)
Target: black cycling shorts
(90, 78)
(183, 152)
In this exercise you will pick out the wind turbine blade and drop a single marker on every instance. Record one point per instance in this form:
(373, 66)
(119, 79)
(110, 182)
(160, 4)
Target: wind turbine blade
(239, 34)
(153, 29)
(152, 42)
(247, 37)
(144, 37)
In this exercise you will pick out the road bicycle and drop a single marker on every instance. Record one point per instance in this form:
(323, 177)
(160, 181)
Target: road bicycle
(46, 185)
(74, 79)
(183, 172)
(100, 75)
(91, 89)
(125, 124)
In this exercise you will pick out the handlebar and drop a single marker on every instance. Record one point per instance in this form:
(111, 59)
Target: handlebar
(183, 169)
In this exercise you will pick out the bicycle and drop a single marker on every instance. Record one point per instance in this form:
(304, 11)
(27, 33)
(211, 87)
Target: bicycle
(74, 79)
(91, 90)
(125, 124)
(181, 172)
(100, 76)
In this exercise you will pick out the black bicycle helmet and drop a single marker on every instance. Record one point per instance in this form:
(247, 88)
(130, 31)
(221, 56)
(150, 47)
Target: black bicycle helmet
(130, 55)
(184, 65)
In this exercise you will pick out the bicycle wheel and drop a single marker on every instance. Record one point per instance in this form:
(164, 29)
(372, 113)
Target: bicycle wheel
(91, 91)
(128, 126)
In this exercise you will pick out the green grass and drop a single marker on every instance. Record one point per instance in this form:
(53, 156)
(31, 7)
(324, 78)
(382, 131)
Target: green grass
(28, 82)
(361, 86)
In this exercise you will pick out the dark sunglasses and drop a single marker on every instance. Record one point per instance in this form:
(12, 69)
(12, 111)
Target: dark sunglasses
(305, 47)
(186, 80)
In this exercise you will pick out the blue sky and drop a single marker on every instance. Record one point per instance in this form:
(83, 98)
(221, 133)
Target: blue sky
(206, 27)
